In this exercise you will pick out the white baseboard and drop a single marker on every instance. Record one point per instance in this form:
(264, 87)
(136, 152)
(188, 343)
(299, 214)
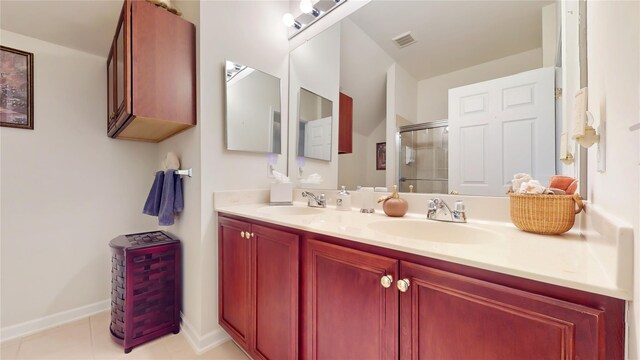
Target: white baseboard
(204, 343)
(200, 344)
(49, 321)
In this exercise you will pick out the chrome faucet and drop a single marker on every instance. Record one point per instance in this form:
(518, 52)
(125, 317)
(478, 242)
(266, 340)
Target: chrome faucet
(315, 201)
(439, 210)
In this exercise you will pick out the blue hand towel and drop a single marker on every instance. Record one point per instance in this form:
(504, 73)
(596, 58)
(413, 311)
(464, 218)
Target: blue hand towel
(152, 206)
(178, 202)
(171, 201)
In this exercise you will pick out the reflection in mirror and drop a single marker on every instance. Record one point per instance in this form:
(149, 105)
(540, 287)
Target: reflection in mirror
(253, 110)
(463, 93)
(314, 126)
(433, 140)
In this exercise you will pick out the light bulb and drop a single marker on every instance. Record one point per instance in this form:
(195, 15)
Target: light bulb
(306, 6)
(288, 20)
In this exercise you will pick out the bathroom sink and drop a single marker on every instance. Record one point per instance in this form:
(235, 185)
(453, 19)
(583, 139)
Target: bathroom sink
(444, 232)
(289, 210)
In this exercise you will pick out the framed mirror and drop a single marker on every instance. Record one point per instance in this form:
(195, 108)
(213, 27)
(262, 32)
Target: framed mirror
(253, 110)
(465, 94)
(315, 121)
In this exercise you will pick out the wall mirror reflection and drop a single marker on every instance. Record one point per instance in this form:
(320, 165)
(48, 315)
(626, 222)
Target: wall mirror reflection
(314, 126)
(253, 120)
(464, 93)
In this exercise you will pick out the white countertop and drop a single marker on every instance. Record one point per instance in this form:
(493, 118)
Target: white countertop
(566, 260)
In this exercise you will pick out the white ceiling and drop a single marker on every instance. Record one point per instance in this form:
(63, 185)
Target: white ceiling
(86, 25)
(452, 35)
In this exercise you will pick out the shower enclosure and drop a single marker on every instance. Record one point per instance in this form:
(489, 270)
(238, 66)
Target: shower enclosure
(424, 157)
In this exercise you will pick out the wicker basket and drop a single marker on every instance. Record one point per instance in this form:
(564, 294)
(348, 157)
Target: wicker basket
(545, 214)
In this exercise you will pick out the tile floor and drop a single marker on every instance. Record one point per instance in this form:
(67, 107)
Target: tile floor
(90, 339)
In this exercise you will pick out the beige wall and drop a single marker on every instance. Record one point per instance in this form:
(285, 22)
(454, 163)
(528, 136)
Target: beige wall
(433, 93)
(187, 226)
(363, 76)
(613, 35)
(402, 95)
(224, 27)
(250, 32)
(359, 167)
(550, 34)
(67, 189)
(315, 66)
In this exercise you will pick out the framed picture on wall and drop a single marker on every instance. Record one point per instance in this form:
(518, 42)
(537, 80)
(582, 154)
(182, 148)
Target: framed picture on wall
(16, 88)
(381, 156)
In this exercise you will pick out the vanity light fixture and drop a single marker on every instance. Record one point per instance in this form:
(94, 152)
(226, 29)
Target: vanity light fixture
(232, 69)
(310, 13)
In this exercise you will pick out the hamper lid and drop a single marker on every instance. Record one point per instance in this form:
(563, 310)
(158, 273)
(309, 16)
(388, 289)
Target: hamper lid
(142, 240)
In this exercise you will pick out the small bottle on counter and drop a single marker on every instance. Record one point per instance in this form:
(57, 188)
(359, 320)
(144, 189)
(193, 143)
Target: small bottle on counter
(343, 200)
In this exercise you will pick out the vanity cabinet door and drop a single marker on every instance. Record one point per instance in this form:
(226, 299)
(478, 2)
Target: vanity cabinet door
(449, 316)
(234, 279)
(258, 288)
(275, 294)
(346, 312)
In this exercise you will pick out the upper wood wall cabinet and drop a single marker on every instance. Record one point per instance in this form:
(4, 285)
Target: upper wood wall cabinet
(151, 74)
(345, 129)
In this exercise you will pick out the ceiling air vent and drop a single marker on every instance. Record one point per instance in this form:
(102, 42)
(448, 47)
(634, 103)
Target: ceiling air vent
(403, 40)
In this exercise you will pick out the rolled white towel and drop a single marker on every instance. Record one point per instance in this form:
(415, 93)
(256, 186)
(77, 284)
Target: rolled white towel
(517, 181)
(533, 187)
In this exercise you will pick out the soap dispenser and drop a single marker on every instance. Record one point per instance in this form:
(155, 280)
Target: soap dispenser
(343, 200)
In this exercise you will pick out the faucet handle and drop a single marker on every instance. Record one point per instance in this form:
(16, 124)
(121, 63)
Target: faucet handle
(322, 197)
(459, 206)
(432, 205)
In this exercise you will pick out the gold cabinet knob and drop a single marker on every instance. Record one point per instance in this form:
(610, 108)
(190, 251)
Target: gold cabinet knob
(403, 285)
(251, 234)
(242, 234)
(455, 192)
(386, 281)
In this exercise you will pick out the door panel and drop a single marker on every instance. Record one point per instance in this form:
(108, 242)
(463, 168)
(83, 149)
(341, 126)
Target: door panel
(448, 316)
(275, 288)
(347, 313)
(234, 272)
(317, 144)
(516, 115)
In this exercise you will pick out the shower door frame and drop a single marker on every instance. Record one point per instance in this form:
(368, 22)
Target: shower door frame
(414, 127)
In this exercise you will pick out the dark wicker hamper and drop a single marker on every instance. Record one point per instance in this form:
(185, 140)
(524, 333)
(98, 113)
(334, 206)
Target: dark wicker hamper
(145, 287)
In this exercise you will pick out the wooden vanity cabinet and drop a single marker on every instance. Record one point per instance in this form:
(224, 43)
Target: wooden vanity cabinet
(448, 311)
(151, 74)
(345, 125)
(346, 311)
(258, 288)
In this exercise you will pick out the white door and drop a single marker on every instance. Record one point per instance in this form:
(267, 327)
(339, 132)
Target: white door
(501, 127)
(317, 142)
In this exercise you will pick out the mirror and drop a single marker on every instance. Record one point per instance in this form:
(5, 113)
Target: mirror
(463, 93)
(253, 121)
(314, 126)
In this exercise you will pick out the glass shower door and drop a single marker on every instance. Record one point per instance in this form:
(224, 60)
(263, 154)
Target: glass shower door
(424, 158)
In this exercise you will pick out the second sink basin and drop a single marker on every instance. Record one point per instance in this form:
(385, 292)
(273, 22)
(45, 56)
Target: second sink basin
(443, 232)
(289, 210)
